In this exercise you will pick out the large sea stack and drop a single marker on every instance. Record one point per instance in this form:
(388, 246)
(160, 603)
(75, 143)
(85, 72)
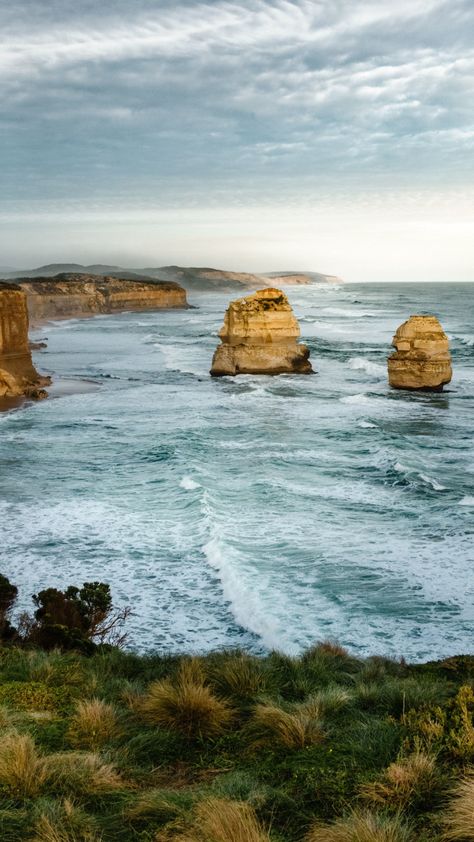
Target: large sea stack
(18, 376)
(422, 360)
(259, 336)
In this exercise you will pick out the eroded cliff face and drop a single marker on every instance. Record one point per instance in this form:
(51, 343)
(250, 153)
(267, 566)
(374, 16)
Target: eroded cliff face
(422, 360)
(259, 336)
(71, 295)
(18, 376)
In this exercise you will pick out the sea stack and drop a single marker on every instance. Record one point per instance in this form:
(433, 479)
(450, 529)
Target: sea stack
(422, 360)
(17, 374)
(259, 336)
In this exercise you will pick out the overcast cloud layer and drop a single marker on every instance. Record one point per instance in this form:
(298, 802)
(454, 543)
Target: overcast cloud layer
(245, 133)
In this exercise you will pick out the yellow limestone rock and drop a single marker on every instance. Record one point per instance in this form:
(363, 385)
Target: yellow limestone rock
(17, 373)
(422, 359)
(259, 336)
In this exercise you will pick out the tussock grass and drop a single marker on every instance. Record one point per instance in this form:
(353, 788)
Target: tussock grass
(23, 771)
(222, 820)
(186, 705)
(408, 781)
(92, 725)
(459, 817)
(239, 676)
(362, 827)
(64, 822)
(81, 773)
(292, 729)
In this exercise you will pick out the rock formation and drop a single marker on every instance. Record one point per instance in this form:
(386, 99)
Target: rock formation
(422, 359)
(259, 336)
(17, 373)
(69, 294)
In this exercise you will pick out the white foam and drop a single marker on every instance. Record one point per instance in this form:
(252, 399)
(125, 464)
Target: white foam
(367, 425)
(189, 484)
(435, 485)
(361, 364)
(467, 501)
(359, 399)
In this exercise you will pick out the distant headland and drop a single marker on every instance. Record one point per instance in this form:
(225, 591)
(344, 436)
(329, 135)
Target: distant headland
(191, 278)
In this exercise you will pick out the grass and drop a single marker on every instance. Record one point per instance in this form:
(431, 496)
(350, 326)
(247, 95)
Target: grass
(223, 820)
(93, 724)
(122, 748)
(459, 817)
(186, 705)
(363, 827)
(291, 729)
(410, 780)
(23, 772)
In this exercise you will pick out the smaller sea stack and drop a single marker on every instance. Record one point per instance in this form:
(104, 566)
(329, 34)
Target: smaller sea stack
(18, 376)
(422, 360)
(259, 336)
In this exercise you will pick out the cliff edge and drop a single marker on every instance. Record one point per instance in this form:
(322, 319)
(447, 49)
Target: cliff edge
(18, 375)
(70, 294)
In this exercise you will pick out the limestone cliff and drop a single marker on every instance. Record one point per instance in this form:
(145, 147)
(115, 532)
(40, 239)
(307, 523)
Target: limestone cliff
(259, 336)
(17, 373)
(422, 359)
(72, 294)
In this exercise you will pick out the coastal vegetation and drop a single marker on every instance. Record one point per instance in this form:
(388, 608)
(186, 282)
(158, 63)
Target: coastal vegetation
(100, 744)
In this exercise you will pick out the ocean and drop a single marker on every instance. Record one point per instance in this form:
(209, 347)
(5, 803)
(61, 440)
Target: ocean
(258, 512)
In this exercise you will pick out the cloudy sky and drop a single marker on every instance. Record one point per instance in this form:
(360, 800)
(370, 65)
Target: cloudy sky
(333, 135)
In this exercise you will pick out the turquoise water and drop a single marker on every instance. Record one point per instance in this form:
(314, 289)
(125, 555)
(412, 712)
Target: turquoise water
(257, 511)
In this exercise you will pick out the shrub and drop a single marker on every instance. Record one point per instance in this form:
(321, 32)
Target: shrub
(186, 705)
(33, 695)
(93, 724)
(22, 771)
(459, 817)
(362, 827)
(76, 618)
(331, 700)
(410, 781)
(300, 727)
(63, 823)
(8, 595)
(461, 734)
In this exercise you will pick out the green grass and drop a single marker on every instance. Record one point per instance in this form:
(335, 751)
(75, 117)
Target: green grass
(230, 746)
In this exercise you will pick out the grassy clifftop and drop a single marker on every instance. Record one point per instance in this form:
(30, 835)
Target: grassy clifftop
(233, 748)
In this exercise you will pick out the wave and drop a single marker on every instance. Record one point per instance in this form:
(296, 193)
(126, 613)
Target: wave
(359, 400)
(361, 364)
(242, 596)
(411, 478)
(347, 313)
(175, 359)
(467, 501)
(465, 340)
(367, 425)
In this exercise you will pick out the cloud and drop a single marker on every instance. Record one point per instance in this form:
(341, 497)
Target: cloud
(226, 103)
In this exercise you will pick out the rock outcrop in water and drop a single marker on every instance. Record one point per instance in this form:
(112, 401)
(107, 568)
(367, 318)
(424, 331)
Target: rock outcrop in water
(422, 359)
(18, 376)
(70, 295)
(259, 336)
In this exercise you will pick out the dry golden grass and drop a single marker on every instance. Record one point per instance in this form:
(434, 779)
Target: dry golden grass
(64, 823)
(81, 773)
(362, 827)
(22, 770)
(293, 729)
(221, 820)
(404, 782)
(93, 724)
(459, 817)
(186, 705)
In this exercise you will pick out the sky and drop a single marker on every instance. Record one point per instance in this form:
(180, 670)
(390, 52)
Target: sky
(324, 135)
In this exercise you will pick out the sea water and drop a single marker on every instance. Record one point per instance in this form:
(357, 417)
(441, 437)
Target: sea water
(265, 512)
